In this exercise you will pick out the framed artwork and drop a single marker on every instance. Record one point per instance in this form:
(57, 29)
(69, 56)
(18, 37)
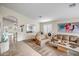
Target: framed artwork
(69, 27)
(31, 28)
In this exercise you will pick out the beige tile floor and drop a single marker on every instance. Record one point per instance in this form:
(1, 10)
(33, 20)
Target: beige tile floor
(24, 50)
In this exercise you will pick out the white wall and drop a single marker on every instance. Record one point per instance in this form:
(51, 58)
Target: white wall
(37, 24)
(22, 20)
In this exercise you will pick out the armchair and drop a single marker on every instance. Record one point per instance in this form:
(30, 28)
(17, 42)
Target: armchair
(40, 39)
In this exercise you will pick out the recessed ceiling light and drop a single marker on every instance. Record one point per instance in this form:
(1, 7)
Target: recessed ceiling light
(40, 16)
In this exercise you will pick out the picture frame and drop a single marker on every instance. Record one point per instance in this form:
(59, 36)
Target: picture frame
(30, 28)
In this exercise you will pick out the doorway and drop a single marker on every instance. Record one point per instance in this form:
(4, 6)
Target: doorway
(8, 35)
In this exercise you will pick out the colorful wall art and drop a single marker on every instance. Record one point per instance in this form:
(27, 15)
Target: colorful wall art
(69, 27)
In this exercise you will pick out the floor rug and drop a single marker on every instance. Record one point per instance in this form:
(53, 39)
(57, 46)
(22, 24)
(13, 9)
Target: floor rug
(46, 50)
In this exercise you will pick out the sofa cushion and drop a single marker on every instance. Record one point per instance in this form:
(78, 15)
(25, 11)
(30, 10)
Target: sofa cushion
(59, 36)
(65, 37)
(55, 37)
(73, 39)
(78, 41)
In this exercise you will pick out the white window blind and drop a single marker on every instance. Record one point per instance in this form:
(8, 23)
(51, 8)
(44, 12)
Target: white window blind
(47, 28)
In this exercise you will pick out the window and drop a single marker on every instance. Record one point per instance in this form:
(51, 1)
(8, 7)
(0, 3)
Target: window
(47, 28)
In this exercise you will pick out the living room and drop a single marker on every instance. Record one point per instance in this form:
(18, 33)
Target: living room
(41, 29)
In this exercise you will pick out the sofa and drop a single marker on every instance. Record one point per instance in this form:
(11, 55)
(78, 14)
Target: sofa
(64, 39)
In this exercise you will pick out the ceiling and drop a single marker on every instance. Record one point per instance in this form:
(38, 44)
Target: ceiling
(44, 10)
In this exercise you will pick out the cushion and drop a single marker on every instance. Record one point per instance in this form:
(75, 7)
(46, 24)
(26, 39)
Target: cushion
(78, 41)
(55, 37)
(73, 39)
(59, 36)
(65, 37)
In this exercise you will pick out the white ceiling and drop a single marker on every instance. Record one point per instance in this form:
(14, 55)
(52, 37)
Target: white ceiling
(46, 10)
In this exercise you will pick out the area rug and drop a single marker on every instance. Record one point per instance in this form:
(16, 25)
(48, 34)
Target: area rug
(46, 50)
